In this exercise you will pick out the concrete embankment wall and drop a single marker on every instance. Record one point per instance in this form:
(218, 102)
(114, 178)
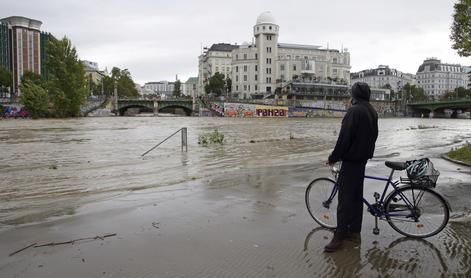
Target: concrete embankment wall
(303, 109)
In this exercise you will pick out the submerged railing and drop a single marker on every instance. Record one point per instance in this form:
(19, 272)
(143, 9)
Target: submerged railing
(184, 140)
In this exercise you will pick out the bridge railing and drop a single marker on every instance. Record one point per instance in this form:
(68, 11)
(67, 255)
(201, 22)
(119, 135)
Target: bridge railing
(184, 140)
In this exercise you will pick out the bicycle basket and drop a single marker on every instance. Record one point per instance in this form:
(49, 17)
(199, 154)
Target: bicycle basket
(421, 172)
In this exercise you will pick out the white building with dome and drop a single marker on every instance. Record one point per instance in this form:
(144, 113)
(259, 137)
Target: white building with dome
(265, 64)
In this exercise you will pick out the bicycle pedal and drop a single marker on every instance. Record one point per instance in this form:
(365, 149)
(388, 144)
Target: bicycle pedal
(376, 231)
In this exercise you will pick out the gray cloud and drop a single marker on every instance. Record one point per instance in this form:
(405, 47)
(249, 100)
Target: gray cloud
(157, 39)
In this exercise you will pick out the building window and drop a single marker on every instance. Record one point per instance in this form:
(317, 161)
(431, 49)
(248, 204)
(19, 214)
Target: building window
(334, 61)
(245, 68)
(256, 87)
(256, 56)
(268, 70)
(268, 60)
(256, 77)
(282, 67)
(269, 27)
(245, 56)
(268, 37)
(268, 49)
(256, 67)
(237, 78)
(237, 56)
(245, 87)
(237, 68)
(294, 67)
(263, 27)
(245, 77)
(237, 87)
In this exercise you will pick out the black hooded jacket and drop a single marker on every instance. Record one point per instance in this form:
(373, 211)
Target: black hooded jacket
(357, 138)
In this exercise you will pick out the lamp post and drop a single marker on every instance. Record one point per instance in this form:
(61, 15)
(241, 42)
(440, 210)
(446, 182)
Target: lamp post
(116, 97)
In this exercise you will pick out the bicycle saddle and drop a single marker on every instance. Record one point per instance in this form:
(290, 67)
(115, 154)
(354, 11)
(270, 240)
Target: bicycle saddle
(396, 165)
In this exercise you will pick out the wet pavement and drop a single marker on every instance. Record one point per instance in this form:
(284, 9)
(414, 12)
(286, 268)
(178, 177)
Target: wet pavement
(235, 210)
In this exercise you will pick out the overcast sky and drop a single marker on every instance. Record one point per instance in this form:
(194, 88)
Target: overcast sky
(157, 39)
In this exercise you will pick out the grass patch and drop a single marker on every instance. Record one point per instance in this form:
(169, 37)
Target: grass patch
(461, 154)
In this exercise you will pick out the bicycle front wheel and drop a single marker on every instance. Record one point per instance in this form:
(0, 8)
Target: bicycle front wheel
(417, 212)
(321, 202)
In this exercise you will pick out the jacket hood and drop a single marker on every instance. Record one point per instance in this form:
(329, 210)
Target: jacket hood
(361, 91)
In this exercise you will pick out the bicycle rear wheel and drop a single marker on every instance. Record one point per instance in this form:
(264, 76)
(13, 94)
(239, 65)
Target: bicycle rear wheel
(321, 202)
(417, 212)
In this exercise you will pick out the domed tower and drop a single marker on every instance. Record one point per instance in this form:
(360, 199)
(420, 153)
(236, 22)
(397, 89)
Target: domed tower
(266, 40)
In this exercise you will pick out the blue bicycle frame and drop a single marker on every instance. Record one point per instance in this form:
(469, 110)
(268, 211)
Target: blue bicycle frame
(377, 210)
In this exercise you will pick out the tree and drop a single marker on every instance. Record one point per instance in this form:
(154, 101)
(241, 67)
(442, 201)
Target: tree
(32, 77)
(461, 28)
(66, 78)
(307, 76)
(215, 85)
(5, 77)
(34, 98)
(388, 86)
(5, 80)
(228, 84)
(125, 85)
(458, 93)
(413, 93)
(177, 92)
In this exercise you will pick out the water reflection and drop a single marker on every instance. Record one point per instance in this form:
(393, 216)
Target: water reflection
(444, 256)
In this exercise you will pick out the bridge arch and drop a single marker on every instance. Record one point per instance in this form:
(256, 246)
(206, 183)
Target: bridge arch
(142, 109)
(176, 109)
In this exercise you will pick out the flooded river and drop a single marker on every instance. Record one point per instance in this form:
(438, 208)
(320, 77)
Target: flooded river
(51, 168)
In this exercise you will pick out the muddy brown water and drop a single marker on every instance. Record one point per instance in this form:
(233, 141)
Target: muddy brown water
(50, 169)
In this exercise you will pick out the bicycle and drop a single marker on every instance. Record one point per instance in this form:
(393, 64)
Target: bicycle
(412, 208)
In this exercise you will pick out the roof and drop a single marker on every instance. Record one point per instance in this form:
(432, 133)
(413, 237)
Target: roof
(223, 47)
(435, 65)
(266, 17)
(192, 80)
(21, 21)
(299, 46)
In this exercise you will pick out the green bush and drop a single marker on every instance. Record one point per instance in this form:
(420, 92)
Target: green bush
(214, 137)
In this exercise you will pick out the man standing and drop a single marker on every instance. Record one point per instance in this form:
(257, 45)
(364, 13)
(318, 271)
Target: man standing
(355, 145)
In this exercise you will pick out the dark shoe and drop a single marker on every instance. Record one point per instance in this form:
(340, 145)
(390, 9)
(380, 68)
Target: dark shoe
(354, 237)
(334, 245)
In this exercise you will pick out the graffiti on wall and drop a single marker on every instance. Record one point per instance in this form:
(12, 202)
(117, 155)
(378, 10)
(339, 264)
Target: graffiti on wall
(14, 111)
(303, 112)
(218, 107)
(271, 111)
(240, 110)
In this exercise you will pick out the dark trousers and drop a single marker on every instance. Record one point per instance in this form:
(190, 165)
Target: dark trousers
(350, 197)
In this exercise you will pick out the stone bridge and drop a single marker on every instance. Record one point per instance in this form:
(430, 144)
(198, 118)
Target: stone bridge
(437, 107)
(157, 106)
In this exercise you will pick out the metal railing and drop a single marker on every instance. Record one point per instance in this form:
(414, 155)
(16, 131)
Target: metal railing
(184, 140)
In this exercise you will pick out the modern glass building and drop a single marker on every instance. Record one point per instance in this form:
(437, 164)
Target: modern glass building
(5, 50)
(20, 48)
